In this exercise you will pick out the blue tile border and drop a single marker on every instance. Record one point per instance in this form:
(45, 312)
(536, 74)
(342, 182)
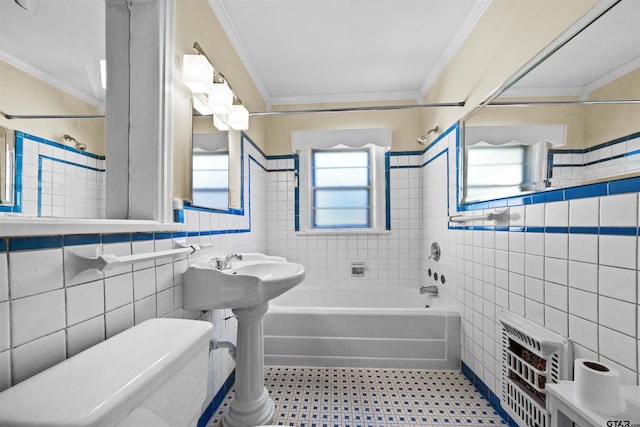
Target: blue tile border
(60, 146)
(31, 243)
(486, 392)
(17, 191)
(81, 239)
(217, 400)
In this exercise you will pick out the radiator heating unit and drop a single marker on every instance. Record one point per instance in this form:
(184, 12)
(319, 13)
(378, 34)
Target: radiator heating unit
(532, 357)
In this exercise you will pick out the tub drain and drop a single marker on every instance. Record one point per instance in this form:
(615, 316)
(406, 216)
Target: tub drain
(427, 306)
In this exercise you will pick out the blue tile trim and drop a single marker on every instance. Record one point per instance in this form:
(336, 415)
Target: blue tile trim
(178, 234)
(81, 239)
(178, 216)
(583, 230)
(628, 185)
(296, 193)
(217, 400)
(619, 231)
(451, 128)
(39, 186)
(560, 230)
(484, 390)
(405, 153)
(3, 245)
(29, 243)
(597, 147)
(162, 236)
(534, 229)
(116, 238)
(67, 162)
(406, 167)
(138, 237)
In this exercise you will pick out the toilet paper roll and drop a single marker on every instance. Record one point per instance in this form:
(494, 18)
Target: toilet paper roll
(597, 387)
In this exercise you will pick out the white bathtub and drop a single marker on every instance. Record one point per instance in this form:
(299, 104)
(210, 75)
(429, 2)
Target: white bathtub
(361, 327)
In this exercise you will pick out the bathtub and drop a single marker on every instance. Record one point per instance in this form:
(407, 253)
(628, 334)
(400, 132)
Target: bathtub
(361, 327)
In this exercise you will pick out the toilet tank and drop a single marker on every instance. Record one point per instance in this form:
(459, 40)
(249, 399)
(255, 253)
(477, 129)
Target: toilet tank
(154, 374)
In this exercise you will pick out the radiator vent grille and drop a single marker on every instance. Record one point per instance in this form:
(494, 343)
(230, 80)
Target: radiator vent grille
(532, 356)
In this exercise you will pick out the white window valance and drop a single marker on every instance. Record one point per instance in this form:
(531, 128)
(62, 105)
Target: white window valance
(555, 135)
(380, 137)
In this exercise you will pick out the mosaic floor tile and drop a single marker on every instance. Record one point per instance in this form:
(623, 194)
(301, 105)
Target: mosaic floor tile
(365, 397)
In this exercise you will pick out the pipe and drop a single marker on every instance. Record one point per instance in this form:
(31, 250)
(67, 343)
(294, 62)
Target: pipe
(217, 344)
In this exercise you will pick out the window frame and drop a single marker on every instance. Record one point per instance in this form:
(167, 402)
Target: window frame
(377, 192)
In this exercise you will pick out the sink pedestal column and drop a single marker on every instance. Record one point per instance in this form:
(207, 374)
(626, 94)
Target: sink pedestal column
(252, 405)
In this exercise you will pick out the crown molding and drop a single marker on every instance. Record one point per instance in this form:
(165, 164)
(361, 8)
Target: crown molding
(344, 97)
(610, 76)
(224, 17)
(453, 46)
(45, 77)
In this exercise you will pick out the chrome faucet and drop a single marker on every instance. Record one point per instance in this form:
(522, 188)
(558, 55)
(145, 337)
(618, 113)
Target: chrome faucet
(225, 264)
(431, 290)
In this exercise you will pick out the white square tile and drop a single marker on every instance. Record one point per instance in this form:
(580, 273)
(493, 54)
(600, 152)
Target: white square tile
(516, 304)
(557, 214)
(583, 247)
(618, 347)
(583, 276)
(84, 302)
(4, 326)
(617, 283)
(516, 283)
(618, 251)
(516, 242)
(516, 216)
(583, 304)
(534, 311)
(534, 243)
(556, 320)
(584, 212)
(534, 289)
(619, 210)
(144, 283)
(502, 240)
(618, 315)
(141, 247)
(556, 245)
(119, 320)
(534, 266)
(34, 272)
(4, 278)
(583, 332)
(5, 370)
(145, 309)
(36, 316)
(534, 215)
(36, 356)
(85, 335)
(164, 300)
(556, 270)
(164, 277)
(516, 262)
(556, 296)
(118, 291)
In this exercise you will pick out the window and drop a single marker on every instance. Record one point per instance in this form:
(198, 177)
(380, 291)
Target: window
(341, 188)
(211, 180)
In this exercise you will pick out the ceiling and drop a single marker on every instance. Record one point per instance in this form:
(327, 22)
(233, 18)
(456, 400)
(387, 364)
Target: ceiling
(58, 41)
(311, 51)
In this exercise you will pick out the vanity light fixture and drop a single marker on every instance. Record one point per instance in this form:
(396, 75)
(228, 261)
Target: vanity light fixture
(212, 94)
(197, 73)
(239, 117)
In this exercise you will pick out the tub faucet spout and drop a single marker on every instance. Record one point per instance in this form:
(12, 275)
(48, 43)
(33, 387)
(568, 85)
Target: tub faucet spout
(431, 290)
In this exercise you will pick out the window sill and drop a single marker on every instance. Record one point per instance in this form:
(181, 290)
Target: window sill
(341, 231)
(22, 226)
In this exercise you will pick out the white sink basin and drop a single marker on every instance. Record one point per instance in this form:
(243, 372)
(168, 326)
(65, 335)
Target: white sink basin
(255, 279)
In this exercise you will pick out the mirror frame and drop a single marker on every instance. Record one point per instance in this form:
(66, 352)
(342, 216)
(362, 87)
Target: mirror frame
(606, 187)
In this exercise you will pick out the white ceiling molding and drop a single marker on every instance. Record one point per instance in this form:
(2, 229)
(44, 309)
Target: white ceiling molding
(462, 34)
(47, 78)
(609, 77)
(223, 15)
(344, 97)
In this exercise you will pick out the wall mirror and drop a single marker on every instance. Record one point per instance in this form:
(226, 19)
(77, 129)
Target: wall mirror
(50, 65)
(568, 118)
(210, 170)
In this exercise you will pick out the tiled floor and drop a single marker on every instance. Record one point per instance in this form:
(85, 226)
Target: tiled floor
(351, 397)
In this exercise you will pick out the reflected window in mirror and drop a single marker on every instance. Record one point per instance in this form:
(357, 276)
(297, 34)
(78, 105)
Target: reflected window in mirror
(588, 88)
(210, 171)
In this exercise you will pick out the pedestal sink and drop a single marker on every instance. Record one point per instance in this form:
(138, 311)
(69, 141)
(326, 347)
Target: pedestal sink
(245, 287)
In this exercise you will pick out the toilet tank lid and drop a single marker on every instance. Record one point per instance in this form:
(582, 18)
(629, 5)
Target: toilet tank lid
(103, 383)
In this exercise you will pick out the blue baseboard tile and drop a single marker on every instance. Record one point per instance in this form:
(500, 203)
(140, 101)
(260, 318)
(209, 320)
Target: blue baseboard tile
(116, 238)
(484, 390)
(31, 243)
(217, 400)
(81, 239)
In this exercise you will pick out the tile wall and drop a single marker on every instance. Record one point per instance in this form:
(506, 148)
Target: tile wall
(393, 258)
(51, 309)
(57, 180)
(570, 265)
